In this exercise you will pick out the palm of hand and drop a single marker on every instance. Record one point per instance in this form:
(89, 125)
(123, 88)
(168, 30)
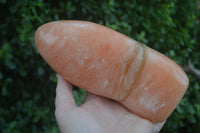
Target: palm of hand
(96, 115)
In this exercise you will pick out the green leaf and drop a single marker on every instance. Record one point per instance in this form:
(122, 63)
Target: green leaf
(4, 91)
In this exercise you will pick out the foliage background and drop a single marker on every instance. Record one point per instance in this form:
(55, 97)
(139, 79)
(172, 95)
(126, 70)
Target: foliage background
(28, 84)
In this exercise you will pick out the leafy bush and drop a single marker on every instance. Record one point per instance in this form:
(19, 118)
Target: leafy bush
(28, 84)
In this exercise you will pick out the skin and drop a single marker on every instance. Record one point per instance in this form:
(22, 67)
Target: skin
(96, 115)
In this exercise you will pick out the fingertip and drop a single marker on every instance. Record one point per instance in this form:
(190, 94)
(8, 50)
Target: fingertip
(157, 127)
(63, 83)
(59, 79)
(64, 95)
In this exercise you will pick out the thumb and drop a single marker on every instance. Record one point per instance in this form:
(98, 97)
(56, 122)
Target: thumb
(64, 97)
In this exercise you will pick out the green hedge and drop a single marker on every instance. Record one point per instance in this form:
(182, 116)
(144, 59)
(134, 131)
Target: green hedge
(28, 84)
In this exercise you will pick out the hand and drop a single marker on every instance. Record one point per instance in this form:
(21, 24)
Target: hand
(96, 115)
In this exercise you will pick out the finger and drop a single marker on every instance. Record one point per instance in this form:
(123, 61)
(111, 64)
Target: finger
(64, 95)
(95, 100)
(91, 97)
(157, 127)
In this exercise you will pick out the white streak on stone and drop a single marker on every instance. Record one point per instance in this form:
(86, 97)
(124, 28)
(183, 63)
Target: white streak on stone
(48, 38)
(85, 57)
(146, 88)
(162, 105)
(81, 25)
(53, 28)
(82, 62)
(149, 102)
(91, 67)
(105, 83)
